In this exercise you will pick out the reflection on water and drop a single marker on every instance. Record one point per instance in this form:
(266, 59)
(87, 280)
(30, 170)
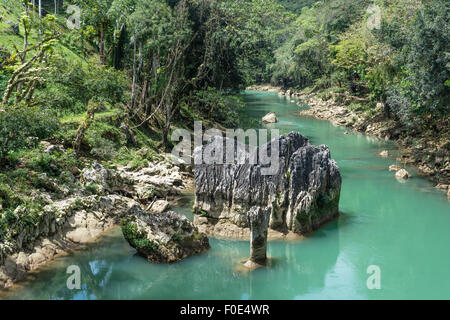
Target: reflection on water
(402, 228)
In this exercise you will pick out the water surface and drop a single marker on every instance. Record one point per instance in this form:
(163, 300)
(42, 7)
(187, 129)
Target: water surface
(400, 227)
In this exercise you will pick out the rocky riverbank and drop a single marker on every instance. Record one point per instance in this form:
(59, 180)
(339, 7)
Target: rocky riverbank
(430, 154)
(69, 223)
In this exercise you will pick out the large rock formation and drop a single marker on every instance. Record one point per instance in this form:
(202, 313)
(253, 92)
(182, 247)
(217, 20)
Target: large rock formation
(163, 237)
(301, 196)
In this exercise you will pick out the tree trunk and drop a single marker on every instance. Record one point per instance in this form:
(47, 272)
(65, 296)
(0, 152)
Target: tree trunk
(40, 18)
(102, 43)
(133, 86)
(166, 128)
(81, 132)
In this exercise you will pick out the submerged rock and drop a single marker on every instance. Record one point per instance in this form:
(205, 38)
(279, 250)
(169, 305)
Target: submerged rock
(271, 117)
(163, 237)
(302, 195)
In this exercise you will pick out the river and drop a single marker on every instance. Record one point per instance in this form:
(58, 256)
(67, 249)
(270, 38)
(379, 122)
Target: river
(400, 228)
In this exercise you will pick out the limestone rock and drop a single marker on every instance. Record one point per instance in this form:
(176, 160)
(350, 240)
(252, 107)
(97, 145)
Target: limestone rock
(159, 206)
(402, 174)
(394, 167)
(105, 179)
(259, 223)
(271, 117)
(163, 237)
(384, 154)
(302, 195)
(161, 180)
(54, 148)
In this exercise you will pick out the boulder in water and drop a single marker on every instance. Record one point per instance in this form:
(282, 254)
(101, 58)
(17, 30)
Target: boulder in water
(384, 154)
(271, 117)
(163, 237)
(402, 174)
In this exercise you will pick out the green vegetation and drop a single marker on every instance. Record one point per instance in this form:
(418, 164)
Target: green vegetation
(114, 89)
(136, 238)
(403, 63)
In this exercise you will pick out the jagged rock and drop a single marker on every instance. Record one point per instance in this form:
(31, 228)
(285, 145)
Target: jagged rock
(163, 237)
(159, 180)
(50, 184)
(63, 225)
(259, 224)
(394, 167)
(54, 148)
(160, 206)
(271, 117)
(74, 170)
(402, 174)
(302, 195)
(58, 227)
(105, 179)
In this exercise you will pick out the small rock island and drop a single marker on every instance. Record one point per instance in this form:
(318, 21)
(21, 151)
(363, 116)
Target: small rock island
(164, 237)
(304, 194)
(271, 117)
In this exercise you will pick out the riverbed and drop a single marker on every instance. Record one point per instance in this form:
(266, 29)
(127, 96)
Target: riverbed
(401, 228)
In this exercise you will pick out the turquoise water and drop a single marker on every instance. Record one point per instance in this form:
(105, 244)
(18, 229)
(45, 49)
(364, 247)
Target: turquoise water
(400, 227)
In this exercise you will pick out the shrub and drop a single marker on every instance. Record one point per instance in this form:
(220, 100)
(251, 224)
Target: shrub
(218, 106)
(16, 125)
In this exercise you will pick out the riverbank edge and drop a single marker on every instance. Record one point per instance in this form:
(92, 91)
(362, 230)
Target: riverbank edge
(428, 156)
(72, 223)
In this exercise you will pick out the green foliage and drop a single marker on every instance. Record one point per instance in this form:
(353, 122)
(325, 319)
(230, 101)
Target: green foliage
(17, 125)
(177, 237)
(296, 5)
(217, 106)
(92, 188)
(405, 64)
(202, 213)
(71, 85)
(136, 238)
